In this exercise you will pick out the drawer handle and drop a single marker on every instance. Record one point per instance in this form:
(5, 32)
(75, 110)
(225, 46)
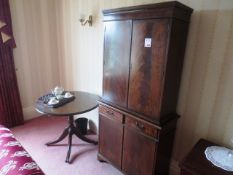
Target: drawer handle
(109, 113)
(140, 126)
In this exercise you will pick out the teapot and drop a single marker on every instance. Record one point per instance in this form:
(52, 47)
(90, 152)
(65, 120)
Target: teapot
(58, 90)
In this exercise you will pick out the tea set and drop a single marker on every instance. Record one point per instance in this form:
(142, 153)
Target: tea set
(58, 95)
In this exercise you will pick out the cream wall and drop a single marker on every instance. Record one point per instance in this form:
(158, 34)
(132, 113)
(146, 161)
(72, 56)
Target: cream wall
(54, 48)
(36, 55)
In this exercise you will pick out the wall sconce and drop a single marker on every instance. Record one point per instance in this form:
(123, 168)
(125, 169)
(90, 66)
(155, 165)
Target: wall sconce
(84, 21)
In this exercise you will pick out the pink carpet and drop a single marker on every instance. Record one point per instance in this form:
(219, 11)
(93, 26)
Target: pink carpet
(35, 133)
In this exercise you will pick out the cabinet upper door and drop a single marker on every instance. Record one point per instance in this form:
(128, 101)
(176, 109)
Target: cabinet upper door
(148, 57)
(117, 41)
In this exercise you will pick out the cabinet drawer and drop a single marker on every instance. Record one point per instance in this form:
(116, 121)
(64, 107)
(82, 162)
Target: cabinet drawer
(144, 127)
(110, 113)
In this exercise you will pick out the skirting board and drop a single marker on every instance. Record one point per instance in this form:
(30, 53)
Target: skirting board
(30, 113)
(174, 167)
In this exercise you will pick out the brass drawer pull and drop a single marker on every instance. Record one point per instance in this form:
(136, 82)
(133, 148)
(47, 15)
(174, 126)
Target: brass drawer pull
(140, 126)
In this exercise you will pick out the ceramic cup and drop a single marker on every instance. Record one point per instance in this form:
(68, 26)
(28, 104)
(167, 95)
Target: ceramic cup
(68, 95)
(53, 100)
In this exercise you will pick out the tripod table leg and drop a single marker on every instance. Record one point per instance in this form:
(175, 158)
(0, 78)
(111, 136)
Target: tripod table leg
(69, 147)
(63, 135)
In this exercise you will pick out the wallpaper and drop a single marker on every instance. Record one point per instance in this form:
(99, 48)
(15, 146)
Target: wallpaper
(54, 48)
(36, 59)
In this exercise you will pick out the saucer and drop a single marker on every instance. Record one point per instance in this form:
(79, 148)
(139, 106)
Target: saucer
(68, 96)
(53, 102)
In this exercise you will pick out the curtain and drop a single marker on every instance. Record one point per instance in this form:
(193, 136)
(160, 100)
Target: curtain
(10, 105)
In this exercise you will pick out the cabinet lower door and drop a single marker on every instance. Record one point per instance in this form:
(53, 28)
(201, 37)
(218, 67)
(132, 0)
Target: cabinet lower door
(138, 153)
(110, 140)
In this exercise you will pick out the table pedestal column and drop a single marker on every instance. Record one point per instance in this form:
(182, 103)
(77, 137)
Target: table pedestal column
(69, 131)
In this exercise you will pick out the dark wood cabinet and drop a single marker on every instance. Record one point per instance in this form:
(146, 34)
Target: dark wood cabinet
(196, 163)
(143, 56)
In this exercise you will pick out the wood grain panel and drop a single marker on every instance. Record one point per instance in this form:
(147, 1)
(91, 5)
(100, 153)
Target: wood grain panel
(116, 61)
(138, 161)
(110, 140)
(143, 127)
(146, 74)
(175, 58)
(111, 113)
